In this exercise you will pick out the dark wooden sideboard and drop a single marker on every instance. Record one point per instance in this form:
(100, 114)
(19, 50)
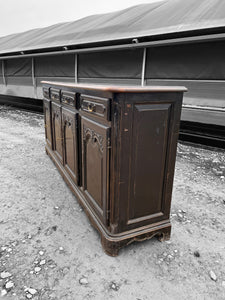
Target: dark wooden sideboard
(115, 146)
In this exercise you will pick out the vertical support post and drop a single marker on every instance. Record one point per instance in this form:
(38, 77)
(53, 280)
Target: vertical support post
(143, 68)
(76, 68)
(3, 72)
(32, 70)
(33, 77)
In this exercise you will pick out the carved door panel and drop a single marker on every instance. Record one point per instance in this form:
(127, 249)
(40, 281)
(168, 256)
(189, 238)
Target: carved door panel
(47, 120)
(95, 166)
(57, 131)
(69, 121)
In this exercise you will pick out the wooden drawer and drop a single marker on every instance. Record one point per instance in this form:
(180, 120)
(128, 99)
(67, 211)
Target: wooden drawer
(68, 98)
(55, 94)
(46, 92)
(96, 106)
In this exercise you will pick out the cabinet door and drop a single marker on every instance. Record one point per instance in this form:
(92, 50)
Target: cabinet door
(47, 120)
(147, 172)
(57, 131)
(69, 121)
(95, 166)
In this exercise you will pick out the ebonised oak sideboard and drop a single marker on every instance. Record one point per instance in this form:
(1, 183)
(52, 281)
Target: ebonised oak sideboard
(115, 146)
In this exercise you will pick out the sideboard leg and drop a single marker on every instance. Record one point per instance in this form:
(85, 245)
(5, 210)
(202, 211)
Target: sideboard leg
(110, 248)
(164, 235)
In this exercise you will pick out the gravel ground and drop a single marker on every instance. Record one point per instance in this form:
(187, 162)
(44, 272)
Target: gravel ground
(49, 250)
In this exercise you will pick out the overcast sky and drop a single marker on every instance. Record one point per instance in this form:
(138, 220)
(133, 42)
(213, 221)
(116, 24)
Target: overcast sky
(22, 15)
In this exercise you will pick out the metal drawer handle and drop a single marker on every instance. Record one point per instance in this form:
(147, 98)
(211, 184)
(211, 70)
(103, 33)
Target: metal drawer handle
(91, 107)
(66, 99)
(55, 97)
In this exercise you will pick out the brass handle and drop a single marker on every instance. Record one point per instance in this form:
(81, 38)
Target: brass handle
(66, 99)
(55, 97)
(91, 107)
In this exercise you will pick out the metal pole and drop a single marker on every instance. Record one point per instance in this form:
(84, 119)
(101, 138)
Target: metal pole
(32, 70)
(3, 72)
(143, 68)
(76, 68)
(33, 76)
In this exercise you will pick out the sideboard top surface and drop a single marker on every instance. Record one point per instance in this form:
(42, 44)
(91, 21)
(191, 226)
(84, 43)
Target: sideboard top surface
(118, 88)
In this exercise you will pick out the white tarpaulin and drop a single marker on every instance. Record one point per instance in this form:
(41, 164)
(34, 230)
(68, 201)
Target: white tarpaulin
(174, 16)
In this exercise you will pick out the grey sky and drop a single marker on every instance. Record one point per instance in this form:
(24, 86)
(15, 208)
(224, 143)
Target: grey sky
(22, 15)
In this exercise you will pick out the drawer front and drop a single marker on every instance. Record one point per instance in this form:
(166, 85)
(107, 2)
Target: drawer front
(55, 94)
(96, 106)
(46, 92)
(68, 98)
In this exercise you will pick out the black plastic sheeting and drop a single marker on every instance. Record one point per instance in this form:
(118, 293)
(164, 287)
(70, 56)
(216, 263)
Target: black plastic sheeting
(112, 64)
(199, 61)
(55, 66)
(18, 67)
(193, 61)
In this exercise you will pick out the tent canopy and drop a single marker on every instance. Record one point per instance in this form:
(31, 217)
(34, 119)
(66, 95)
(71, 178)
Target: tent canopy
(159, 18)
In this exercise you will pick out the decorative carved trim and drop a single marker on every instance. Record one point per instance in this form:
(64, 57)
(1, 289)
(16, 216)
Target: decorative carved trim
(56, 112)
(68, 120)
(94, 137)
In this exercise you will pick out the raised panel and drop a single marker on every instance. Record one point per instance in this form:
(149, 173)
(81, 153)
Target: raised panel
(57, 131)
(148, 159)
(47, 120)
(69, 121)
(95, 165)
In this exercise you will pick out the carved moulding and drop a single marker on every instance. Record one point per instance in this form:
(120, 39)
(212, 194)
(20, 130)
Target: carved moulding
(93, 136)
